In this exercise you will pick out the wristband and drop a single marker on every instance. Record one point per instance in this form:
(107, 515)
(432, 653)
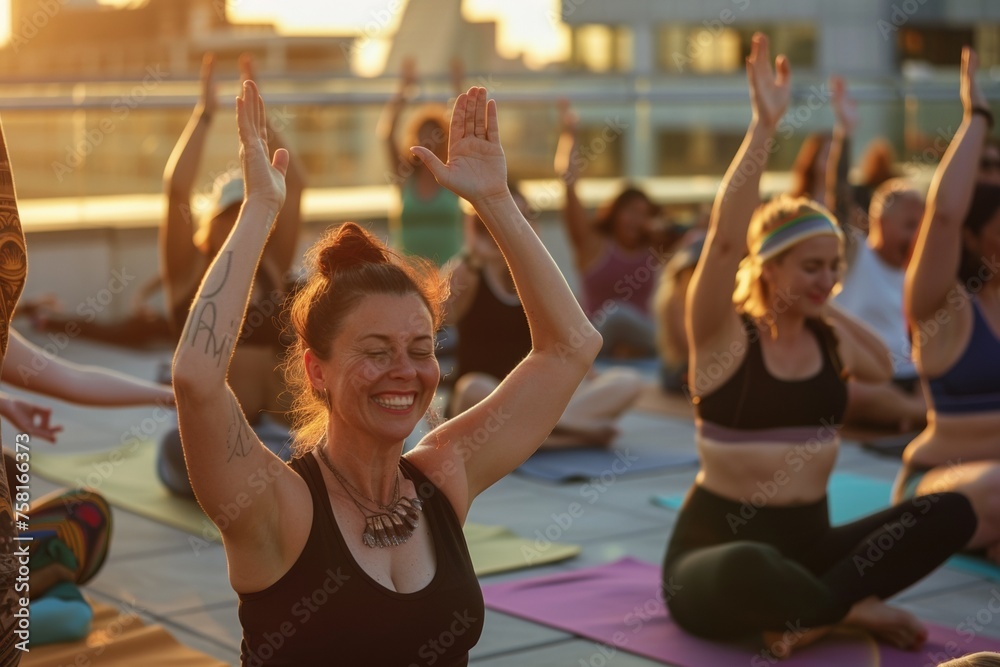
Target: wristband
(985, 113)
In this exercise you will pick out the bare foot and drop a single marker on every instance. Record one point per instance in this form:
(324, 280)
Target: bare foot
(780, 644)
(895, 626)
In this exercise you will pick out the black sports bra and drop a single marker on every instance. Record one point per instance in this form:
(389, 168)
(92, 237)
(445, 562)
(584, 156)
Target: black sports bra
(754, 400)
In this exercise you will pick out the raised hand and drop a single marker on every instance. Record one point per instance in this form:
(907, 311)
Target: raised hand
(972, 96)
(769, 92)
(264, 178)
(845, 109)
(408, 82)
(565, 163)
(31, 419)
(476, 167)
(246, 69)
(208, 103)
(569, 122)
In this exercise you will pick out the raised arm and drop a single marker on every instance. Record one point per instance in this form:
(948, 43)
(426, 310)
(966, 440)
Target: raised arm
(84, 385)
(931, 273)
(222, 452)
(838, 186)
(284, 239)
(13, 273)
(586, 242)
(711, 314)
(177, 249)
(526, 406)
(389, 122)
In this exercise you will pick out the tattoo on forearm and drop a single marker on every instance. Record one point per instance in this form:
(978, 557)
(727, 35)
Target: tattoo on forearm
(240, 439)
(204, 323)
(203, 320)
(209, 292)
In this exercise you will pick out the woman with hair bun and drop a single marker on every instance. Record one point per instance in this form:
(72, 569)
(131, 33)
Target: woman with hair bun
(353, 553)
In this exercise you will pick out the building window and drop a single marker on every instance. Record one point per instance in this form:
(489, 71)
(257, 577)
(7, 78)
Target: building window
(711, 49)
(601, 48)
(934, 46)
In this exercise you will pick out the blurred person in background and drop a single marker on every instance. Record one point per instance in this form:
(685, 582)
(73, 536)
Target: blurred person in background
(187, 250)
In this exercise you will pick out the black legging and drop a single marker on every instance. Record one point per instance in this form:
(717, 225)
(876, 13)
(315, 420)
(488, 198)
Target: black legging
(733, 571)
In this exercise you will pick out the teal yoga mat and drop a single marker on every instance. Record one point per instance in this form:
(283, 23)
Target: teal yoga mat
(853, 496)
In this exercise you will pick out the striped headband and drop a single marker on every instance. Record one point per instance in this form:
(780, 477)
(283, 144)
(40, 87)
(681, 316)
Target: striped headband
(795, 231)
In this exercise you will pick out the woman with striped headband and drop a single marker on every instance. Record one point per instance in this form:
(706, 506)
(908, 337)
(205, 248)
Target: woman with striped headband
(753, 555)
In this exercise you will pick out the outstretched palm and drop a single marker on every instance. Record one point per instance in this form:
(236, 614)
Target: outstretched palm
(265, 180)
(769, 92)
(845, 109)
(972, 96)
(476, 166)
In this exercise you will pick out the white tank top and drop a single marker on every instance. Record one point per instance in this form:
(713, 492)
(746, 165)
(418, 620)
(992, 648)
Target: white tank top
(873, 293)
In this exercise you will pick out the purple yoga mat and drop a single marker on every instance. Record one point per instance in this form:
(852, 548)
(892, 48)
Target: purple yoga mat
(620, 606)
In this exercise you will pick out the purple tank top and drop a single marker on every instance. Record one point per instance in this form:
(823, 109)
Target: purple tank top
(619, 275)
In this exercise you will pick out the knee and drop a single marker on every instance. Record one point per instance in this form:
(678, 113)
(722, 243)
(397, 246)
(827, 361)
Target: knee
(954, 509)
(470, 389)
(626, 381)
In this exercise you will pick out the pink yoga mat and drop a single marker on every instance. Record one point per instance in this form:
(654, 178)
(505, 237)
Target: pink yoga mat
(620, 606)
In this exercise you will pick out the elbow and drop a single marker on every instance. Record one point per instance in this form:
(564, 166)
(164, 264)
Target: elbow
(192, 377)
(583, 345)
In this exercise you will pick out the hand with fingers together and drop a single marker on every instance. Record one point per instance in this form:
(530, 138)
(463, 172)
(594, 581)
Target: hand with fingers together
(770, 88)
(972, 94)
(845, 108)
(476, 169)
(208, 102)
(264, 178)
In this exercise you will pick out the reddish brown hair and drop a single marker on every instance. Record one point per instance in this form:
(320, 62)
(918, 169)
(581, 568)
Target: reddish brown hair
(347, 264)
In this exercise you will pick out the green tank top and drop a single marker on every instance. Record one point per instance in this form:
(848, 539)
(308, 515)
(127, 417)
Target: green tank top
(431, 228)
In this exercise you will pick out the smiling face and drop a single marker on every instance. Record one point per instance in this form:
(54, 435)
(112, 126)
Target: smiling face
(800, 280)
(382, 373)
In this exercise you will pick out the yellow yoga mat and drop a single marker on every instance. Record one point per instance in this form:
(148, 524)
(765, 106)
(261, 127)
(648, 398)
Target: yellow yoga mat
(119, 639)
(127, 478)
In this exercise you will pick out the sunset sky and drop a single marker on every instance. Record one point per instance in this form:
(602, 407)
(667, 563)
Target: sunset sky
(525, 26)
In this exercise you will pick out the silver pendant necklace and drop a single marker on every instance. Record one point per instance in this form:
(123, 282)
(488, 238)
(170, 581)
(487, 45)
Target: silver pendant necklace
(390, 527)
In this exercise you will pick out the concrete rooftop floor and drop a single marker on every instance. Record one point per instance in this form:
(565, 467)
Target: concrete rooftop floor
(154, 568)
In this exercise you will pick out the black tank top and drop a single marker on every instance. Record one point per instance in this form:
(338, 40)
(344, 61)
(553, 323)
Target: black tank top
(327, 611)
(753, 399)
(493, 337)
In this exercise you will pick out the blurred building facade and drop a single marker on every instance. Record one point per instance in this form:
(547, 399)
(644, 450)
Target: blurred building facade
(96, 96)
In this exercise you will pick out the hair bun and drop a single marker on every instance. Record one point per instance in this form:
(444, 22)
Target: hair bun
(350, 246)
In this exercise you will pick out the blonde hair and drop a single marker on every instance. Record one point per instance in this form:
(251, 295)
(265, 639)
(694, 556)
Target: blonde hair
(751, 295)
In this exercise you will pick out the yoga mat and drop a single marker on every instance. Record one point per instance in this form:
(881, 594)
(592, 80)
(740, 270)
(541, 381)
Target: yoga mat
(620, 606)
(854, 496)
(119, 639)
(497, 549)
(127, 478)
(645, 443)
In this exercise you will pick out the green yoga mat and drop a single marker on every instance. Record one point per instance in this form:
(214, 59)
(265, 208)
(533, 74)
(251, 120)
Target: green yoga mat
(854, 496)
(127, 478)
